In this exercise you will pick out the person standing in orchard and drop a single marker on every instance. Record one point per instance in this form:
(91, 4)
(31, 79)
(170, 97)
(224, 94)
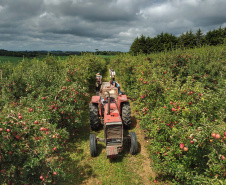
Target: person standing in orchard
(112, 74)
(110, 70)
(98, 82)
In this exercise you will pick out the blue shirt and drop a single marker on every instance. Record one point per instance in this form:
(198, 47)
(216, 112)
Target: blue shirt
(116, 84)
(99, 76)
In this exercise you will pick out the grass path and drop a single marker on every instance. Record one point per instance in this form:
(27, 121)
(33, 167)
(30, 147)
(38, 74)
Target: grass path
(83, 169)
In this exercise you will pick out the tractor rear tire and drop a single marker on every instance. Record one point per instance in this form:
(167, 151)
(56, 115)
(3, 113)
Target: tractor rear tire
(95, 122)
(133, 143)
(126, 115)
(93, 145)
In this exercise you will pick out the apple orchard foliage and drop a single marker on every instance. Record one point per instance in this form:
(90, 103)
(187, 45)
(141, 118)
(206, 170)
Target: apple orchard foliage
(180, 101)
(43, 102)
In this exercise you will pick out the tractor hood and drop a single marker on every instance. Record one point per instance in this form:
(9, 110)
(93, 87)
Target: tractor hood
(114, 115)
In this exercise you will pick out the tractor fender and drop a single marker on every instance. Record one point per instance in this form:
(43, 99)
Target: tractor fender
(121, 99)
(97, 100)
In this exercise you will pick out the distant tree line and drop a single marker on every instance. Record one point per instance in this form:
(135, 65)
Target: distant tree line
(98, 52)
(27, 54)
(31, 54)
(166, 41)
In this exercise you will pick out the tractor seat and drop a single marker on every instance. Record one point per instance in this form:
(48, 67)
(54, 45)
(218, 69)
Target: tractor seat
(111, 100)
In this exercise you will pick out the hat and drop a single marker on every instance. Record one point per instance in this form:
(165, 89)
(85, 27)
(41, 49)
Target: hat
(98, 74)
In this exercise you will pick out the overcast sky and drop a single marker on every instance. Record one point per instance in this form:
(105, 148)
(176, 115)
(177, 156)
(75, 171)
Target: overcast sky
(110, 25)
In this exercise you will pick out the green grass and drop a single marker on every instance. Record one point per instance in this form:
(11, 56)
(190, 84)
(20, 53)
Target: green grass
(16, 60)
(10, 59)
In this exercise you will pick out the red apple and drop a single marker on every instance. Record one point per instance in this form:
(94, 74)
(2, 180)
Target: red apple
(192, 142)
(36, 122)
(222, 157)
(185, 149)
(213, 134)
(225, 134)
(54, 173)
(41, 177)
(8, 130)
(182, 145)
(30, 109)
(1, 129)
(218, 136)
(20, 117)
(3, 171)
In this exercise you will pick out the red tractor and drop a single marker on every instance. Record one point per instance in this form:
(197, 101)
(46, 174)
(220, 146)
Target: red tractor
(113, 113)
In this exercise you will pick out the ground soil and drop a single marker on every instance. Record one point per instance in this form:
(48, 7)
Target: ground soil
(147, 172)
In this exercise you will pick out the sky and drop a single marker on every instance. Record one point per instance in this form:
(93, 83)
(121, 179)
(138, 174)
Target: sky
(106, 25)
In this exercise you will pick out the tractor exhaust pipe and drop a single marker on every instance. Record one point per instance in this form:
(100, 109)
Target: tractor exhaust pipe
(108, 103)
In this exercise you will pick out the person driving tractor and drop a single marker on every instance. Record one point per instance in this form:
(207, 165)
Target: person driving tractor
(115, 84)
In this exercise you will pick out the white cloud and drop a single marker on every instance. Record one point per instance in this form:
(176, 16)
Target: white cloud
(43, 14)
(1, 8)
(106, 25)
(52, 2)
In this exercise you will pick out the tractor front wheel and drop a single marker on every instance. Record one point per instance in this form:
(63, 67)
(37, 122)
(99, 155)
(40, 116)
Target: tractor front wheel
(95, 122)
(93, 145)
(133, 143)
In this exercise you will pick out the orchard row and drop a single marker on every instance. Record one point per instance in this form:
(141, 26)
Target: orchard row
(180, 100)
(42, 106)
